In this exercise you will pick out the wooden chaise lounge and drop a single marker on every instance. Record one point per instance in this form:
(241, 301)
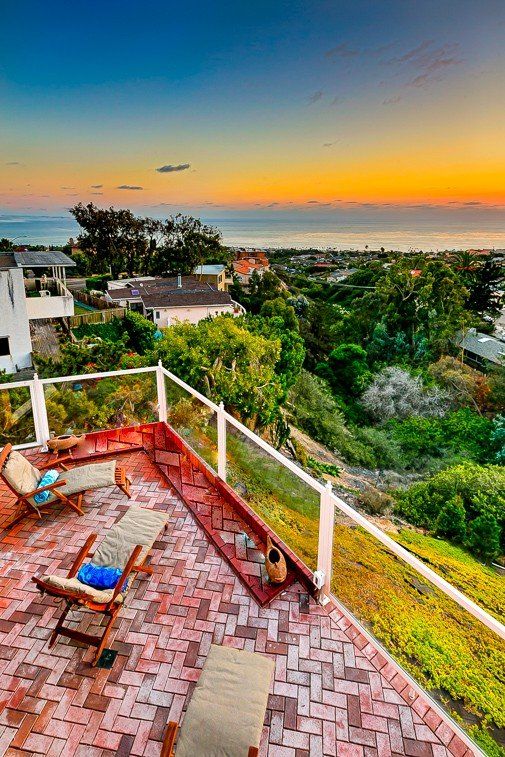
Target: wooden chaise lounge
(126, 546)
(227, 710)
(23, 478)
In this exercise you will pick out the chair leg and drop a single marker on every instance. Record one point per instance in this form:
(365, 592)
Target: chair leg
(103, 640)
(59, 625)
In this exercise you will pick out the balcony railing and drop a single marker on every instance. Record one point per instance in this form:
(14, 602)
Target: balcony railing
(299, 508)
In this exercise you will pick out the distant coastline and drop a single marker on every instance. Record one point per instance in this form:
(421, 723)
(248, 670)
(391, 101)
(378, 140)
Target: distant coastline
(319, 233)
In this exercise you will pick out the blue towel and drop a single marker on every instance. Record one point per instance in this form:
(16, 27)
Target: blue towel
(100, 577)
(49, 477)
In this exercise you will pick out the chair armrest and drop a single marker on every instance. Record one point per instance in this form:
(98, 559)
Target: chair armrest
(48, 488)
(126, 572)
(167, 749)
(81, 556)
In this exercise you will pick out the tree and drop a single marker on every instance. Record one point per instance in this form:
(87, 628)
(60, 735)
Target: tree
(112, 238)
(346, 369)
(484, 536)
(268, 286)
(451, 522)
(395, 393)
(183, 243)
(482, 280)
(6, 245)
(228, 363)
(279, 308)
(427, 301)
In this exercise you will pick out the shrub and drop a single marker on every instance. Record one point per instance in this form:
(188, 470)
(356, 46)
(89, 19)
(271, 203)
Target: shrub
(498, 438)
(484, 536)
(376, 502)
(395, 393)
(385, 449)
(314, 409)
(140, 331)
(465, 386)
(98, 282)
(481, 490)
(319, 467)
(462, 432)
(451, 521)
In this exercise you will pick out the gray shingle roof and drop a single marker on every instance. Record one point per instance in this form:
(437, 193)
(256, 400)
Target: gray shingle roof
(483, 345)
(178, 298)
(42, 259)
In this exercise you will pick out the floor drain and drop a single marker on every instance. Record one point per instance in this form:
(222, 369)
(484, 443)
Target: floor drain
(106, 659)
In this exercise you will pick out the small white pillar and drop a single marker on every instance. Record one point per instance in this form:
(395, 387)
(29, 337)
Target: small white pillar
(39, 409)
(325, 545)
(221, 442)
(162, 394)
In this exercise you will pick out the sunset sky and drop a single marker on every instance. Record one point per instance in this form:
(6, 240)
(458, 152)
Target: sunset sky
(256, 107)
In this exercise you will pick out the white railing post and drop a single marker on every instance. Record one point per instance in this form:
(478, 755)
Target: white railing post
(162, 394)
(221, 442)
(325, 545)
(39, 412)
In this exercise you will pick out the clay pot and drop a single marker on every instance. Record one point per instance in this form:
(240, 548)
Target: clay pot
(59, 443)
(275, 563)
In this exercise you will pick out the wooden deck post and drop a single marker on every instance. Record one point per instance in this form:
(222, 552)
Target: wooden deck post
(221, 442)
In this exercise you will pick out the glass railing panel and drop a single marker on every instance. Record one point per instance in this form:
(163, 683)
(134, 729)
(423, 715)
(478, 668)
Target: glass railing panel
(447, 651)
(288, 505)
(194, 421)
(16, 416)
(80, 406)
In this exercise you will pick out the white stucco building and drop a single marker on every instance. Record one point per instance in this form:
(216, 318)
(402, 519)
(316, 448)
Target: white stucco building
(47, 298)
(15, 341)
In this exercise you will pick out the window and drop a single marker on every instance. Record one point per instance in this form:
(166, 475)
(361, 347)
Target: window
(4, 345)
(157, 315)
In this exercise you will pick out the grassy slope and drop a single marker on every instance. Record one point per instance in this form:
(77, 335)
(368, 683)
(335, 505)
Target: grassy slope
(445, 649)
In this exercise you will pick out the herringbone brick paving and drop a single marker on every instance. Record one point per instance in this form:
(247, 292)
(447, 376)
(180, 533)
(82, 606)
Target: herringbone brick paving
(332, 693)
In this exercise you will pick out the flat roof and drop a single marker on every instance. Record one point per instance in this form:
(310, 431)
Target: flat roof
(42, 259)
(213, 269)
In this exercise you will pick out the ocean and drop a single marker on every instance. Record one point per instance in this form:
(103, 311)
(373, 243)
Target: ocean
(321, 233)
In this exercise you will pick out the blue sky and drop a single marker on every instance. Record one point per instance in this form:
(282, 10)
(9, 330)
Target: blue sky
(271, 104)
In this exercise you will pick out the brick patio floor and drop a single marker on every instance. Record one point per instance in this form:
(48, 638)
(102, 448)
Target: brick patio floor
(332, 694)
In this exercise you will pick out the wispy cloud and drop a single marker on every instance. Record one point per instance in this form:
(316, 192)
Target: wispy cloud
(392, 100)
(173, 168)
(96, 186)
(427, 62)
(14, 163)
(343, 50)
(330, 144)
(315, 97)
(129, 186)
(97, 193)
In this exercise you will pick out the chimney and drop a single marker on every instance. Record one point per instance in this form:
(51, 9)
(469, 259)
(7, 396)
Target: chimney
(179, 281)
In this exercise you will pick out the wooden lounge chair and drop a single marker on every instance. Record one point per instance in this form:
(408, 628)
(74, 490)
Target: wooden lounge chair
(227, 710)
(126, 546)
(23, 478)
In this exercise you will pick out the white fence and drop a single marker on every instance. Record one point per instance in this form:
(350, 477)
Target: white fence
(328, 500)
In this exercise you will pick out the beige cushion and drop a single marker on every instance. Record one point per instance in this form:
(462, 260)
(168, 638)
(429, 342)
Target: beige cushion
(20, 473)
(74, 585)
(87, 477)
(226, 712)
(81, 479)
(137, 526)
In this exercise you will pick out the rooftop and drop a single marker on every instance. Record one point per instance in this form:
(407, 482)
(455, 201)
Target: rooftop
(167, 292)
(485, 346)
(42, 259)
(333, 693)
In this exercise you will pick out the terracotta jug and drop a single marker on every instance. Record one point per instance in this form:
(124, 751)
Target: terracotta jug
(275, 563)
